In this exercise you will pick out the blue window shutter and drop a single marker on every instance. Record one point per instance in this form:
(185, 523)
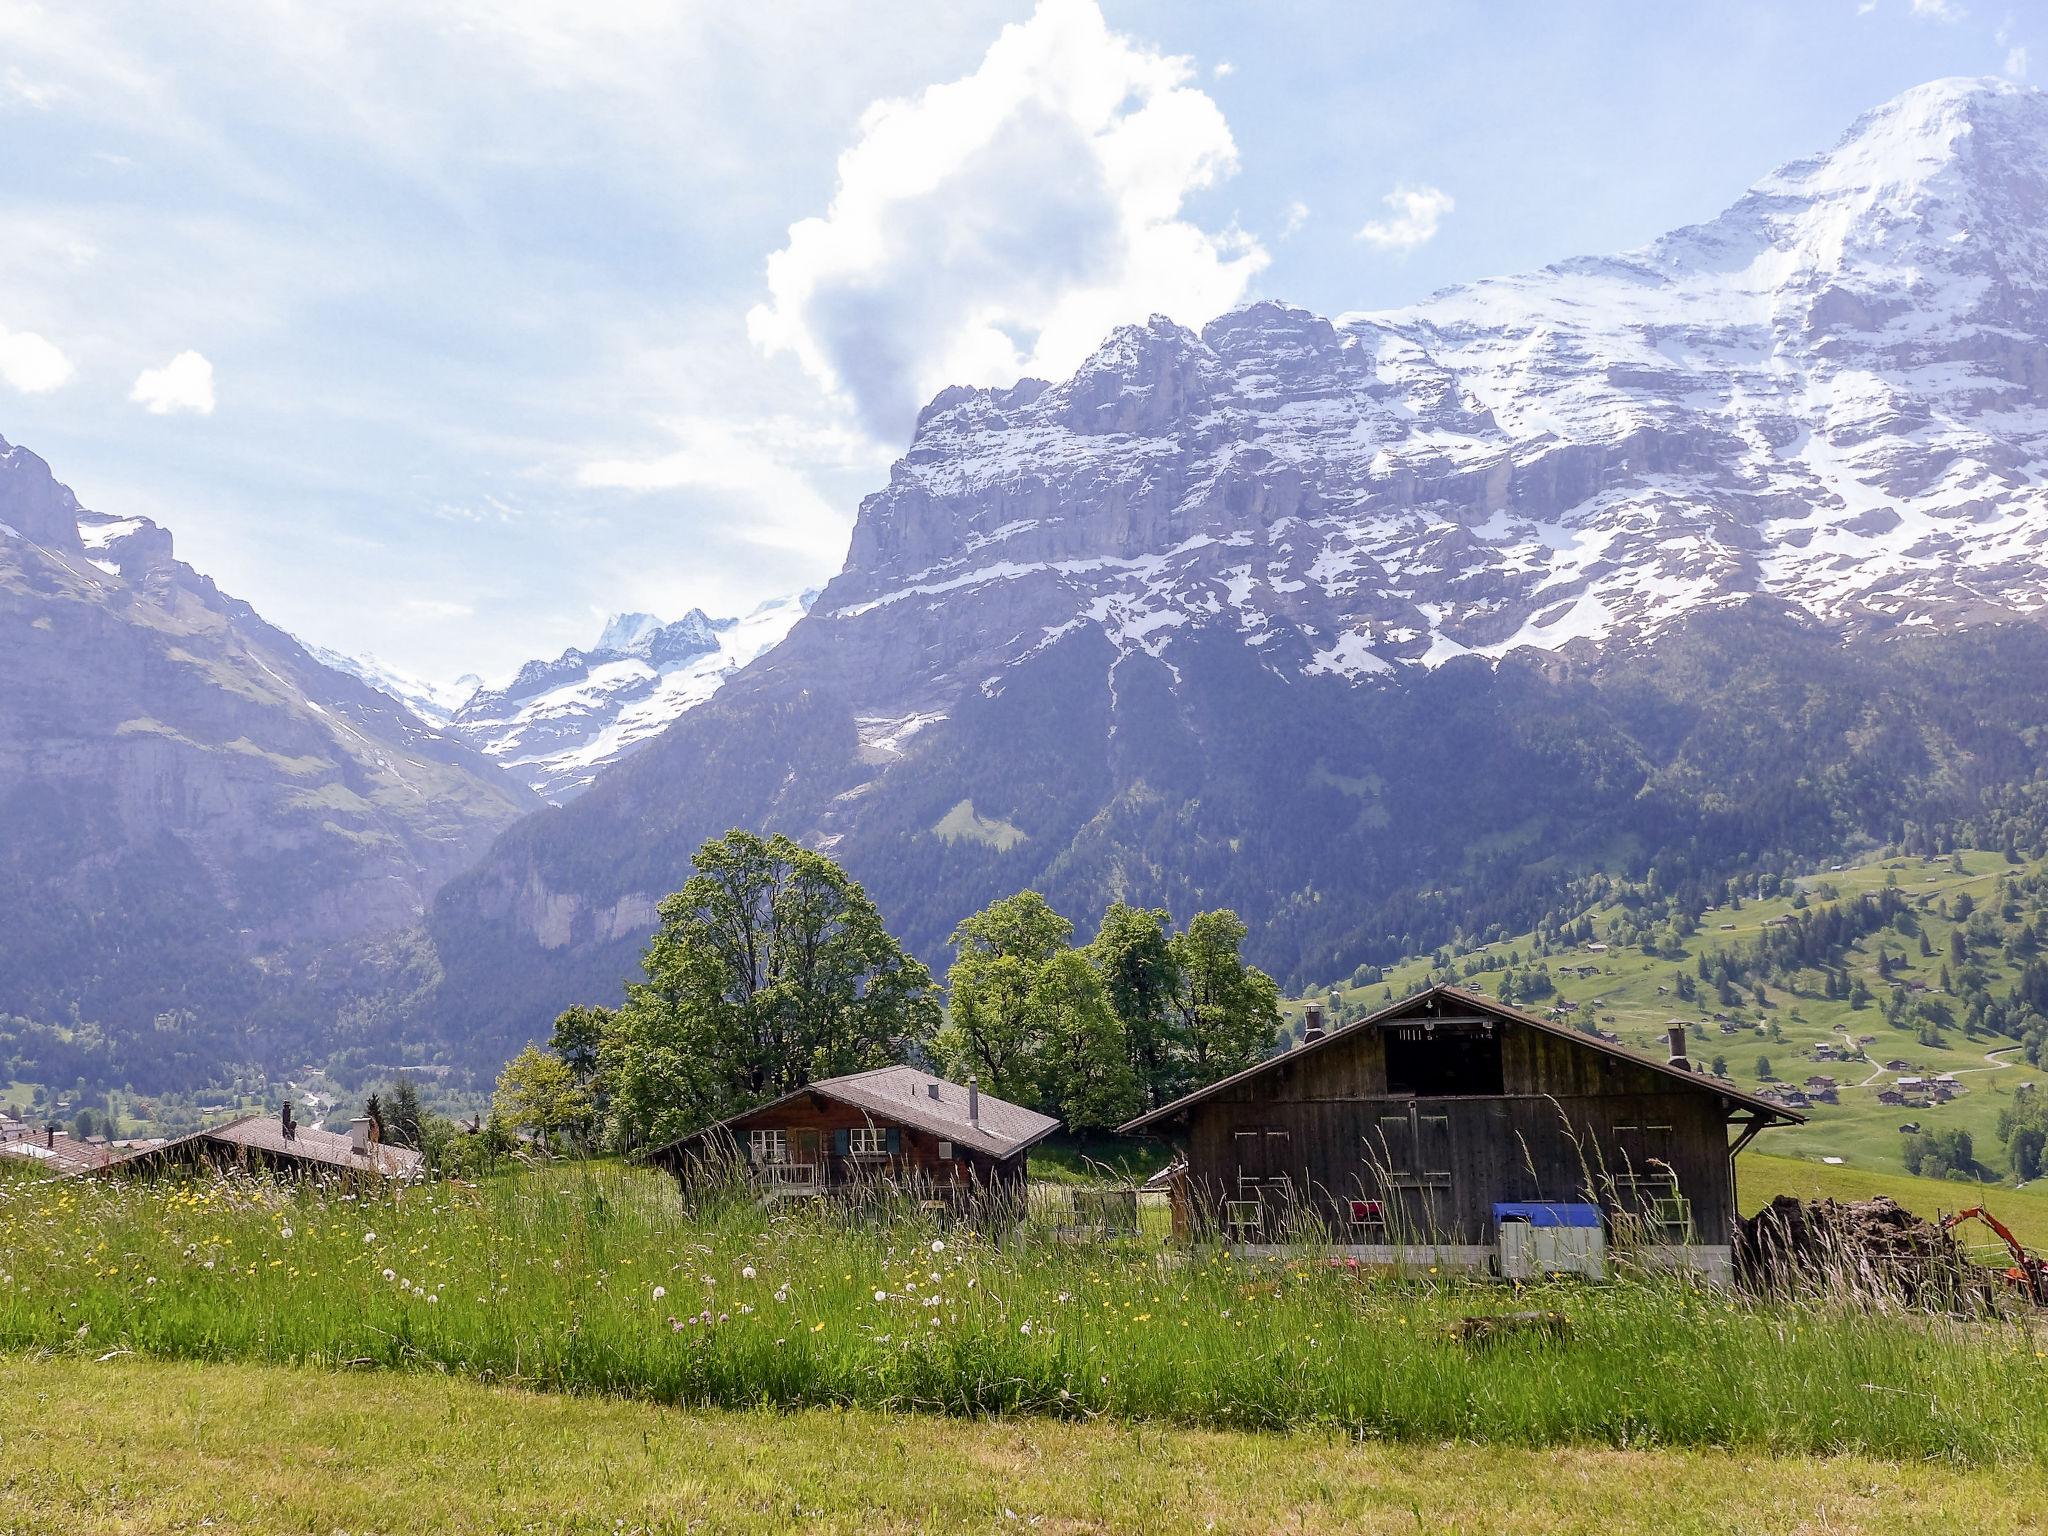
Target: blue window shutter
(839, 1143)
(895, 1141)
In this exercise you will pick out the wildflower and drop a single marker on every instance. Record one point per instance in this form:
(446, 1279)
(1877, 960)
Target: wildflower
(284, 1231)
(817, 1327)
(660, 1291)
(747, 1272)
(938, 1245)
(675, 1324)
(433, 1301)
(1024, 1328)
(369, 1237)
(782, 1293)
(388, 1274)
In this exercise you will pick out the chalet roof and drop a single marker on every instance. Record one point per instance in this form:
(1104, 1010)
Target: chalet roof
(904, 1095)
(1697, 1081)
(58, 1154)
(308, 1144)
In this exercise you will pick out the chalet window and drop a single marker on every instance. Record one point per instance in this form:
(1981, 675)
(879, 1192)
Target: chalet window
(1264, 1157)
(945, 1151)
(868, 1141)
(769, 1146)
(1439, 1062)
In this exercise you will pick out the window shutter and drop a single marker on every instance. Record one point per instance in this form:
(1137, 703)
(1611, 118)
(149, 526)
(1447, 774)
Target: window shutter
(839, 1143)
(895, 1141)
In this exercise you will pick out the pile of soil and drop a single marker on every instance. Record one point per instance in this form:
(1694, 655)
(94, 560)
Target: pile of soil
(1863, 1249)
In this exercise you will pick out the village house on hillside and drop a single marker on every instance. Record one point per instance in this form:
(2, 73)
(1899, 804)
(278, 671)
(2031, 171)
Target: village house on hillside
(52, 1150)
(920, 1132)
(1451, 1129)
(275, 1144)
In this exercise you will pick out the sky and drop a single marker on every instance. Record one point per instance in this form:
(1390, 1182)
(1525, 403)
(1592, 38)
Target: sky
(441, 329)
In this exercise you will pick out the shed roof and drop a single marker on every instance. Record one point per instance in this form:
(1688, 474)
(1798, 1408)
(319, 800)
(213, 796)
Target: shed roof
(1699, 1082)
(58, 1154)
(904, 1095)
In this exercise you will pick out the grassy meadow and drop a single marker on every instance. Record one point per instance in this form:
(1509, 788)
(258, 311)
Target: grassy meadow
(595, 1280)
(241, 1450)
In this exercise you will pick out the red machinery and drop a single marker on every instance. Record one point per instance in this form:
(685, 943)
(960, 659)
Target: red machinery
(2028, 1273)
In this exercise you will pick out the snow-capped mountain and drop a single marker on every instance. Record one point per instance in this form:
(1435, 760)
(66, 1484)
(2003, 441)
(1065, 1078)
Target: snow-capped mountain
(1370, 626)
(558, 722)
(1833, 394)
(433, 702)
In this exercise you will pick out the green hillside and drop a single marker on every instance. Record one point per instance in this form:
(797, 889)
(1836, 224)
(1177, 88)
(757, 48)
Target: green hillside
(1915, 960)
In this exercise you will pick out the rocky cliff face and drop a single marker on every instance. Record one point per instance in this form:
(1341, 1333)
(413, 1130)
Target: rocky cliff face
(1298, 610)
(184, 790)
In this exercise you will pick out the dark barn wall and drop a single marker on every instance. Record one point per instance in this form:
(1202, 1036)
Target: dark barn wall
(1567, 1119)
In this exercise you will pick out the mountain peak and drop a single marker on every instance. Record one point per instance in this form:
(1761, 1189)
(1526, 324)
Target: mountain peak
(623, 631)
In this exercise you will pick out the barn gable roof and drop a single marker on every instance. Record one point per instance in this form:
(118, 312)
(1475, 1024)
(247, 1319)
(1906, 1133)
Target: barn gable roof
(903, 1095)
(1697, 1081)
(307, 1144)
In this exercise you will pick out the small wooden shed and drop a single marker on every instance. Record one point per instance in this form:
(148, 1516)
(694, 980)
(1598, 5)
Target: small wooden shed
(1406, 1136)
(898, 1125)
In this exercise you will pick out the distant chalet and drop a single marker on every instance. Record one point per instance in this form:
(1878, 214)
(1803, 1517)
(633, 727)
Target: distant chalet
(51, 1150)
(894, 1125)
(1447, 1128)
(277, 1145)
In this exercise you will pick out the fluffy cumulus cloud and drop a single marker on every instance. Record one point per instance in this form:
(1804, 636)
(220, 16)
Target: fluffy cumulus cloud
(1003, 224)
(1417, 211)
(1939, 10)
(185, 383)
(32, 364)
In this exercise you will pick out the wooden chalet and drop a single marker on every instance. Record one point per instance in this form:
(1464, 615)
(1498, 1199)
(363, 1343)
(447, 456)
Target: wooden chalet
(1451, 1129)
(893, 1125)
(277, 1145)
(52, 1151)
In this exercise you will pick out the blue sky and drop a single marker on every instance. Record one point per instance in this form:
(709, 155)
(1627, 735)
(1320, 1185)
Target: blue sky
(440, 329)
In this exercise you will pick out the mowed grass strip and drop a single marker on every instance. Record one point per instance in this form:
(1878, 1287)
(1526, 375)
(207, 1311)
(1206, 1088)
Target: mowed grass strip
(127, 1446)
(595, 1280)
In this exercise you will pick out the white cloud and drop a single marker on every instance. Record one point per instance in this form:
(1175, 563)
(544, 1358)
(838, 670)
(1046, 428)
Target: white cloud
(2016, 63)
(1224, 69)
(32, 364)
(1417, 212)
(185, 383)
(1004, 223)
(1938, 10)
(1296, 216)
(753, 464)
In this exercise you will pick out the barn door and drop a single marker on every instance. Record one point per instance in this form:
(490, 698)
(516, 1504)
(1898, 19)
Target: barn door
(1409, 1158)
(1265, 1162)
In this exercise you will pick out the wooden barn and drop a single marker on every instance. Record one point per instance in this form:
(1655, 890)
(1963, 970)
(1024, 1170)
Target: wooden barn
(1451, 1129)
(892, 1125)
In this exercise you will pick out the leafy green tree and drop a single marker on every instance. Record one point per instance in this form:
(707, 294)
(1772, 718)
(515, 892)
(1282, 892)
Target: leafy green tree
(538, 1093)
(1763, 1069)
(1031, 1016)
(771, 968)
(1229, 1011)
(1134, 957)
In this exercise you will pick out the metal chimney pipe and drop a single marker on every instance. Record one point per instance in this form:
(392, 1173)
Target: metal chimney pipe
(974, 1100)
(286, 1123)
(1312, 1024)
(50, 1135)
(1676, 1034)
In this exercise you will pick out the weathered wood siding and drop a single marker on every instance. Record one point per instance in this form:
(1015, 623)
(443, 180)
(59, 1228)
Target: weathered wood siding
(1570, 1123)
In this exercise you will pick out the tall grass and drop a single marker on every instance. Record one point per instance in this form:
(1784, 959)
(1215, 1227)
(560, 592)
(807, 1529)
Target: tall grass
(596, 1279)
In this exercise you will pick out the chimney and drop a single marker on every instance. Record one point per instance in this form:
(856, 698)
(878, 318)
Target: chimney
(931, 1090)
(50, 1135)
(1312, 1028)
(974, 1100)
(359, 1135)
(1678, 1057)
(286, 1123)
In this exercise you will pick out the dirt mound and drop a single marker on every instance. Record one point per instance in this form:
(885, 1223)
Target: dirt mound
(1874, 1249)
